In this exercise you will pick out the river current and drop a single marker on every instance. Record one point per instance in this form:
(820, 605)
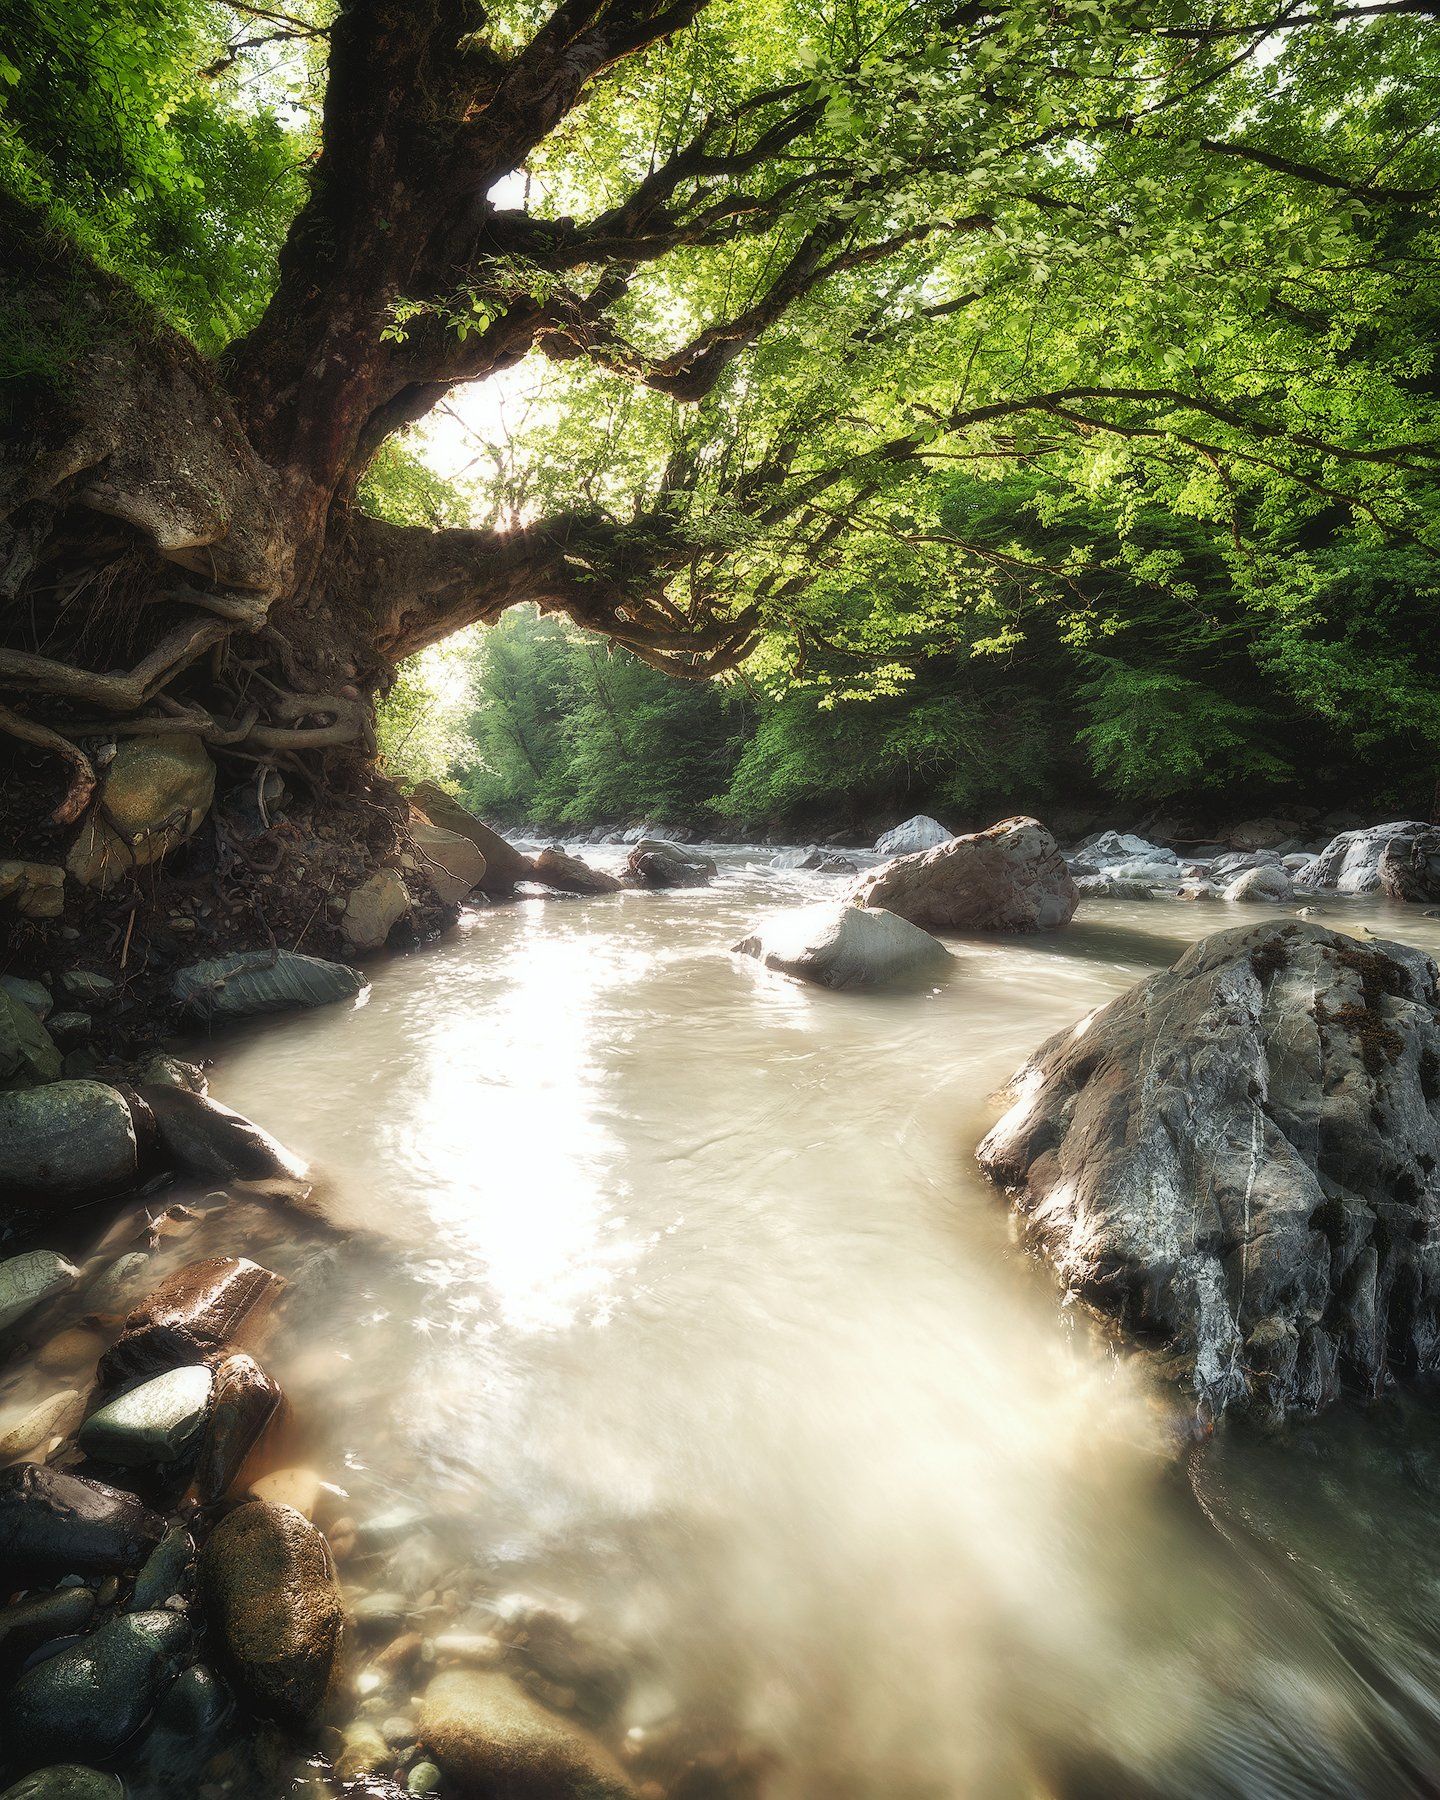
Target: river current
(683, 1305)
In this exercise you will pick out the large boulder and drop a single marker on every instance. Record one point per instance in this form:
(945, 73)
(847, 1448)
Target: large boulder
(920, 833)
(70, 1141)
(847, 946)
(1109, 849)
(1410, 866)
(452, 864)
(373, 908)
(489, 1737)
(504, 864)
(1009, 878)
(655, 863)
(1350, 863)
(1238, 1157)
(154, 793)
(247, 982)
(37, 889)
(554, 868)
(269, 1586)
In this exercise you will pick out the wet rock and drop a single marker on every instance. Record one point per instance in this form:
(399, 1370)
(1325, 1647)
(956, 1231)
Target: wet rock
(159, 1421)
(30, 1278)
(917, 834)
(92, 1697)
(185, 1722)
(1409, 867)
(657, 864)
(1238, 1157)
(380, 1614)
(1350, 862)
(373, 909)
(1108, 887)
(488, 1735)
(33, 994)
(1265, 883)
(847, 947)
(1009, 878)
(27, 1625)
(547, 1643)
(70, 1141)
(28, 1054)
(36, 889)
(66, 1781)
(1108, 849)
(56, 1415)
(452, 864)
(202, 1137)
(424, 1778)
(298, 1489)
(110, 1293)
(554, 868)
(504, 864)
(153, 795)
(269, 1585)
(192, 1316)
(249, 982)
(69, 1351)
(167, 1572)
(363, 1751)
(245, 1400)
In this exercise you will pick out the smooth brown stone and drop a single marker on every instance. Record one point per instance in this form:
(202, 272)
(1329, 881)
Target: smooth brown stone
(193, 1316)
(243, 1402)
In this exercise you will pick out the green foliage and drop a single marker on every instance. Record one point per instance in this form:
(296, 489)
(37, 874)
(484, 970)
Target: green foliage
(172, 178)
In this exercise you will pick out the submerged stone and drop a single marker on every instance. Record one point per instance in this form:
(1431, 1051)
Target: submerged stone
(158, 1422)
(94, 1696)
(54, 1524)
(29, 1279)
(269, 1586)
(488, 1735)
(847, 947)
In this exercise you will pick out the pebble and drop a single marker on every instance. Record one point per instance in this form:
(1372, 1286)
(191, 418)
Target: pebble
(364, 1751)
(424, 1778)
(476, 1649)
(400, 1653)
(382, 1612)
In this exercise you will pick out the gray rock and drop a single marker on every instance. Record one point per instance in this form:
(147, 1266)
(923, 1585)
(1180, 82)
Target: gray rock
(452, 864)
(847, 946)
(1146, 871)
(917, 834)
(30, 1278)
(167, 1574)
(158, 1422)
(249, 982)
(66, 1781)
(33, 994)
(38, 889)
(504, 864)
(1265, 883)
(488, 1736)
(1239, 1157)
(71, 1140)
(28, 1056)
(201, 1137)
(39, 1619)
(110, 1293)
(92, 1697)
(373, 909)
(54, 1524)
(87, 984)
(70, 1030)
(657, 864)
(1350, 863)
(185, 1722)
(1110, 847)
(1410, 867)
(1009, 878)
(1111, 887)
(169, 1071)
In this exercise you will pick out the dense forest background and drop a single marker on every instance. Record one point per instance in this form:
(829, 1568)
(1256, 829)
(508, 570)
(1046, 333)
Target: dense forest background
(1122, 609)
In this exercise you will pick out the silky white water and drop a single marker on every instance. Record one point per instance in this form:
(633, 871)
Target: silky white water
(683, 1301)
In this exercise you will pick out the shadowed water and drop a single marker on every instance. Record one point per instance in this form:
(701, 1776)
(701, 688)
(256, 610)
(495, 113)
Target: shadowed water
(692, 1309)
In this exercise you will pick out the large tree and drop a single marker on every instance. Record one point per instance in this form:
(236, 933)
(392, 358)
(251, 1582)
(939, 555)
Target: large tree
(820, 247)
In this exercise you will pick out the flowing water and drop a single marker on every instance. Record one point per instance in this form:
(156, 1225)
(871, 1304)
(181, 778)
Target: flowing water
(683, 1302)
